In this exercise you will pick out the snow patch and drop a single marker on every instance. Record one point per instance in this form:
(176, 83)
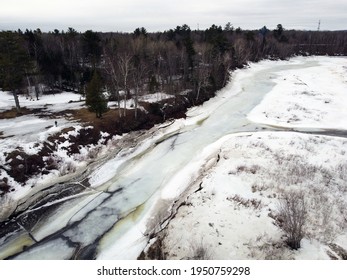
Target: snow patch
(307, 98)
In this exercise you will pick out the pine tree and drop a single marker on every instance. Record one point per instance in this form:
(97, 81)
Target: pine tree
(14, 62)
(91, 47)
(95, 100)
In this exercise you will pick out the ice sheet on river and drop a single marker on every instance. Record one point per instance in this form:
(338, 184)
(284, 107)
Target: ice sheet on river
(126, 192)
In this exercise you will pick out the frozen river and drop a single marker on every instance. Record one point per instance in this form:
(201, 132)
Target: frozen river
(126, 195)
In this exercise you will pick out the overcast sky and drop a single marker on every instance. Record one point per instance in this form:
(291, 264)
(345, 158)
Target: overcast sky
(155, 15)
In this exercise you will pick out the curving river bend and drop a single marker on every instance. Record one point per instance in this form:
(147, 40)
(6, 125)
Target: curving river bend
(114, 210)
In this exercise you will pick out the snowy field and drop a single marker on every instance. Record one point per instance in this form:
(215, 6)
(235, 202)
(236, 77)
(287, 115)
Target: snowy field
(307, 98)
(50, 102)
(231, 215)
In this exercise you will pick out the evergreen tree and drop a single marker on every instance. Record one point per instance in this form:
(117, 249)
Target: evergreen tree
(95, 100)
(279, 31)
(279, 34)
(14, 62)
(229, 27)
(188, 43)
(215, 36)
(91, 46)
(140, 32)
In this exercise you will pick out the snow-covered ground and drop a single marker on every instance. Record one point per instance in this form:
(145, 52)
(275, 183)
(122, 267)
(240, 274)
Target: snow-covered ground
(307, 98)
(155, 97)
(28, 131)
(148, 98)
(231, 215)
(51, 102)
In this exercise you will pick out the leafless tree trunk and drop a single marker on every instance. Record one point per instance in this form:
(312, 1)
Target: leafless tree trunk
(29, 84)
(37, 87)
(202, 79)
(171, 67)
(138, 77)
(138, 82)
(16, 100)
(113, 78)
(125, 68)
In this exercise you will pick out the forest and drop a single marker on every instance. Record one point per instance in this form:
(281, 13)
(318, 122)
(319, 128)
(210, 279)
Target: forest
(195, 63)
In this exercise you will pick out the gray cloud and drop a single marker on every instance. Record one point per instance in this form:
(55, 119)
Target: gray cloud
(155, 15)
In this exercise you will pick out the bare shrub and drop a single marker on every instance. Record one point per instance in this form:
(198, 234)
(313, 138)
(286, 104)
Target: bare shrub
(254, 203)
(93, 153)
(342, 171)
(293, 170)
(260, 187)
(292, 217)
(66, 168)
(298, 171)
(263, 247)
(200, 251)
(51, 162)
(248, 169)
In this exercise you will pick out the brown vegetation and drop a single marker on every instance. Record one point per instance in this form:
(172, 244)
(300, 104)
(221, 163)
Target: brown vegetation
(22, 166)
(13, 113)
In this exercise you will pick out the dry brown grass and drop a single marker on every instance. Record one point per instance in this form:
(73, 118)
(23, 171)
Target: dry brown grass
(86, 116)
(11, 114)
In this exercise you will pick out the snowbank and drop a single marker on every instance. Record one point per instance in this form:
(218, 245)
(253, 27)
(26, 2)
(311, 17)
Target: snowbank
(231, 214)
(315, 97)
(155, 97)
(54, 102)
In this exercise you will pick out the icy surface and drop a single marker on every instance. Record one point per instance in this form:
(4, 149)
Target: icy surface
(138, 185)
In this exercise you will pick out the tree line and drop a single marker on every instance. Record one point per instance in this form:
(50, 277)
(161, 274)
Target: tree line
(127, 65)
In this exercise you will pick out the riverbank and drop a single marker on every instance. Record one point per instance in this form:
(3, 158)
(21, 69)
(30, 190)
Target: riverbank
(232, 210)
(140, 190)
(56, 137)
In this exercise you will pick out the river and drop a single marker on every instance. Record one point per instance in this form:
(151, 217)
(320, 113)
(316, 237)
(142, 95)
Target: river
(110, 218)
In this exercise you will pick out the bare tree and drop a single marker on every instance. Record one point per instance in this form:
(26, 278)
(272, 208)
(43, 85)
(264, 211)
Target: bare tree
(111, 69)
(139, 67)
(125, 67)
(293, 216)
(202, 69)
